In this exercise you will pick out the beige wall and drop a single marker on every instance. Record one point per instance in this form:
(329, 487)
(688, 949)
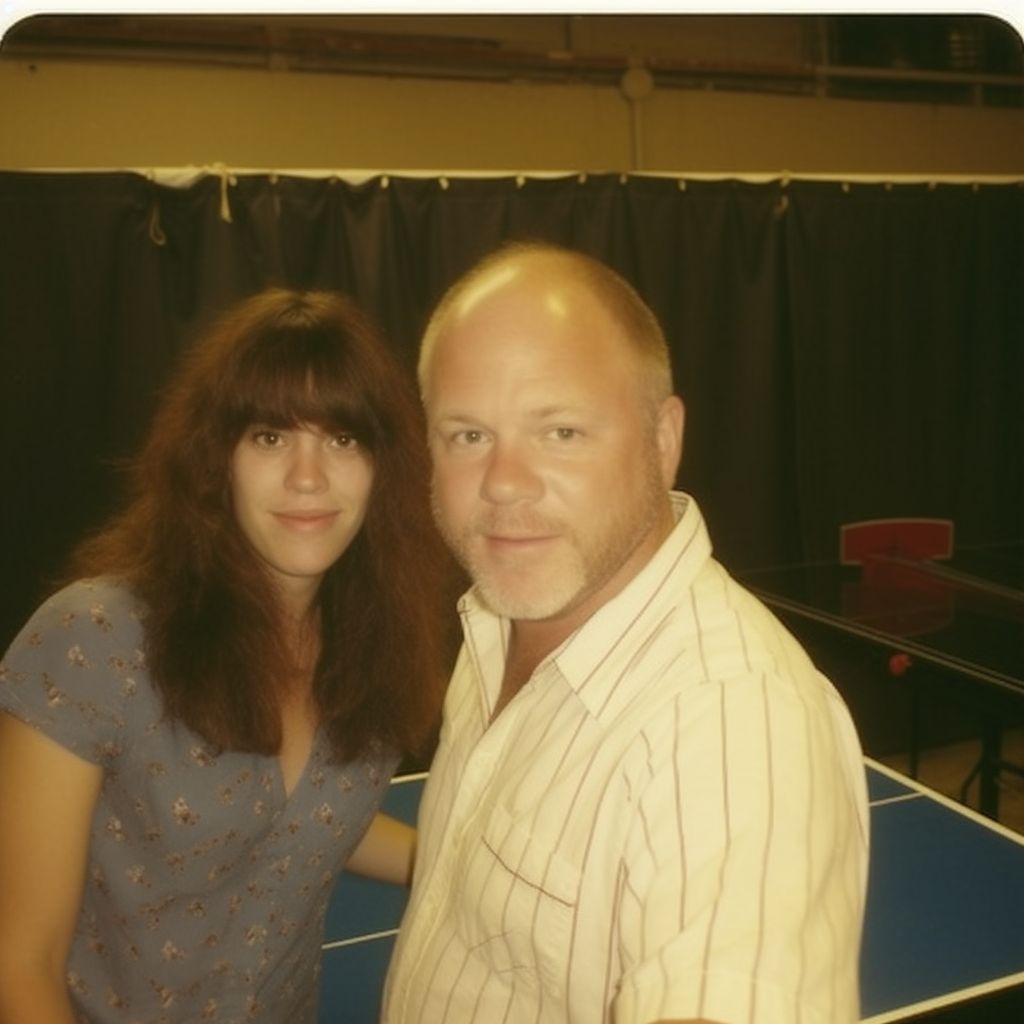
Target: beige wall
(63, 114)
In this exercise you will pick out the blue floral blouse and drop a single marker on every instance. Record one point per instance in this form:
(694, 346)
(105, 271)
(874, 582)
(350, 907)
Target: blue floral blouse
(206, 885)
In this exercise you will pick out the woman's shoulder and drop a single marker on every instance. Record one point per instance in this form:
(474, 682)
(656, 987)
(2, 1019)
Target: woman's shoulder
(90, 618)
(102, 602)
(77, 668)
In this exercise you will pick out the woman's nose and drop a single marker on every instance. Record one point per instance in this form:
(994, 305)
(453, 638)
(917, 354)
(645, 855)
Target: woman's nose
(306, 471)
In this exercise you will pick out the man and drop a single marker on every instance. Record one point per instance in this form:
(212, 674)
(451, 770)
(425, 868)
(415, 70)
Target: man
(646, 804)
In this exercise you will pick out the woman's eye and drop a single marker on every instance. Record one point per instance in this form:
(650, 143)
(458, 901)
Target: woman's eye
(468, 437)
(266, 438)
(565, 433)
(345, 440)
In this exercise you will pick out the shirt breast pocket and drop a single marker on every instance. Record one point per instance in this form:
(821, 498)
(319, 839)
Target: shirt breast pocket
(521, 905)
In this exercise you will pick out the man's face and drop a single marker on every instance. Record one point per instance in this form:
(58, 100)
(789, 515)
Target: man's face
(550, 476)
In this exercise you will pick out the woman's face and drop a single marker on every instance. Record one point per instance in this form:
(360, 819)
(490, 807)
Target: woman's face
(299, 495)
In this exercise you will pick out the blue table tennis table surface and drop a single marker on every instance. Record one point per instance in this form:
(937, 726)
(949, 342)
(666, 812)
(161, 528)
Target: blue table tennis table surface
(944, 921)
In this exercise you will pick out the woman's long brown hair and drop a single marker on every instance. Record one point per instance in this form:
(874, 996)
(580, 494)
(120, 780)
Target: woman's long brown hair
(214, 634)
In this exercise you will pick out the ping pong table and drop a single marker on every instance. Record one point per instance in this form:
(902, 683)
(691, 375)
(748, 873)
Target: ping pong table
(954, 629)
(944, 925)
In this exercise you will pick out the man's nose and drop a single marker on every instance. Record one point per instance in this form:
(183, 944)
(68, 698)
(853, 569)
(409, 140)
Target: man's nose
(510, 475)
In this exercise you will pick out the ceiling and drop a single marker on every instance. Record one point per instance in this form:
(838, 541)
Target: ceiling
(929, 58)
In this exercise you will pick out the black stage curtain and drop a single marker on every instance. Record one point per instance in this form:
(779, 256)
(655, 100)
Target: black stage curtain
(845, 351)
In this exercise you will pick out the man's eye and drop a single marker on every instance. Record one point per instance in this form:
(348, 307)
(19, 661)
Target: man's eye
(564, 433)
(468, 437)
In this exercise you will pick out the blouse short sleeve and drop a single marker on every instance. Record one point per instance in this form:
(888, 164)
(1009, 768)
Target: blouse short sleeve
(71, 670)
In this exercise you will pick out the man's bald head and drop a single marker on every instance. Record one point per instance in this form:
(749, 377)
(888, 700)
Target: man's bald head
(547, 268)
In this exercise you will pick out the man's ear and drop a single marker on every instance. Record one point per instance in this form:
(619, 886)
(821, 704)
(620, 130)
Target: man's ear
(669, 433)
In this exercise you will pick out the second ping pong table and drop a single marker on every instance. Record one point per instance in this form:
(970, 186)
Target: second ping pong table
(944, 925)
(954, 629)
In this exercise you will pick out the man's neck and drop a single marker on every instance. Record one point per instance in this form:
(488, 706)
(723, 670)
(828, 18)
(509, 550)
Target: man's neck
(529, 644)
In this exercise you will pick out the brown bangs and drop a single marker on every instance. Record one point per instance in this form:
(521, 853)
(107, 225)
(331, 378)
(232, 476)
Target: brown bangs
(292, 375)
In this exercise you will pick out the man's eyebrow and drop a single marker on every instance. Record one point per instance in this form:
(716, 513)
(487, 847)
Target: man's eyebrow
(456, 417)
(455, 421)
(546, 412)
(540, 414)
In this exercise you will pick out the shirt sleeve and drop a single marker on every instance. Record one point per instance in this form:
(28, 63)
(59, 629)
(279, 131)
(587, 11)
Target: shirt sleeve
(744, 869)
(72, 668)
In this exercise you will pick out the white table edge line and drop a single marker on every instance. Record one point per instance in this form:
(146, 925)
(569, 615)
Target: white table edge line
(410, 777)
(898, 799)
(355, 940)
(950, 998)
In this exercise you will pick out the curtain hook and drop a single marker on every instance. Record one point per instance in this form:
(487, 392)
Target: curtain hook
(156, 231)
(226, 180)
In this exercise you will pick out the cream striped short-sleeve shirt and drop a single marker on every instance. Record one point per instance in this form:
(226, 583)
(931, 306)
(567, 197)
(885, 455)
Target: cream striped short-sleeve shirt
(668, 821)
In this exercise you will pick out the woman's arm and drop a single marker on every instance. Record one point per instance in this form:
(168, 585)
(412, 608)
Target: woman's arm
(386, 852)
(47, 797)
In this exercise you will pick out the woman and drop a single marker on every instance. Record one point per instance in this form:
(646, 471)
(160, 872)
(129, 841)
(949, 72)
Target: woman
(195, 735)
